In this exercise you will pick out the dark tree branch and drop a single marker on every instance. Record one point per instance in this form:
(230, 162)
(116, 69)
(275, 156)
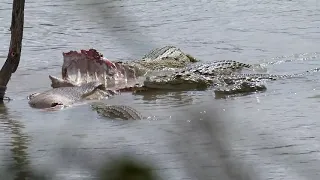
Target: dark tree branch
(13, 59)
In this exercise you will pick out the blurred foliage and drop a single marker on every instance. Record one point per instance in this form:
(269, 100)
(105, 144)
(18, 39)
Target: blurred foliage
(126, 168)
(120, 168)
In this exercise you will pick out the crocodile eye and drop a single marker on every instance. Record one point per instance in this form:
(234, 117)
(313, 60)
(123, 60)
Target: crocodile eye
(55, 104)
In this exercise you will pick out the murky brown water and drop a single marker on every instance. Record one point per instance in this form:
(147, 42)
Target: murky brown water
(275, 133)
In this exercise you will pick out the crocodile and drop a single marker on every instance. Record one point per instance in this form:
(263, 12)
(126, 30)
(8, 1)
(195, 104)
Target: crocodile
(227, 82)
(89, 75)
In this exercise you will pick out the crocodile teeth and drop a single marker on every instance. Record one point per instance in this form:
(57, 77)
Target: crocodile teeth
(105, 81)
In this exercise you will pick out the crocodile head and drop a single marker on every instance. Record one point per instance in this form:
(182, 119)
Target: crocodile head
(239, 87)
(88, 66)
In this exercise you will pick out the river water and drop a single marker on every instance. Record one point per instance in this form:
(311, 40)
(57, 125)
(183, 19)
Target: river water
(270, 135)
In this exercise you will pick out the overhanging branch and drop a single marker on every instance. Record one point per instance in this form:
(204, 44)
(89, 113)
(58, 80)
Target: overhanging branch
(13, 58)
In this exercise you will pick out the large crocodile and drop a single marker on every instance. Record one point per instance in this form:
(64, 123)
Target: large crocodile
(88, 75)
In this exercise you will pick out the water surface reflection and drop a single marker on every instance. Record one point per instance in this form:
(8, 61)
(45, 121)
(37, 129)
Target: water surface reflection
(17, 160)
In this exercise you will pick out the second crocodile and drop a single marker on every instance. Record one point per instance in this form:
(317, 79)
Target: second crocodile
(204, 76)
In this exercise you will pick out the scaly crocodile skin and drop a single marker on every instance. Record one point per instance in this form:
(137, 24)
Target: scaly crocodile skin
(161, 58)
(117, 111)
(239, 87)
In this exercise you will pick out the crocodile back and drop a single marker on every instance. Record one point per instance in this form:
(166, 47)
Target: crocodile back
(117, 111)
(224, 67)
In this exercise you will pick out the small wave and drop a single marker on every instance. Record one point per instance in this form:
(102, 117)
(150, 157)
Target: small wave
(292, 58)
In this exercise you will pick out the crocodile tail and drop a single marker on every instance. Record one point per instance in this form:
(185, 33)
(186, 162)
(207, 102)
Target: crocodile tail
(271, 76)
(285, 76)
(308, 72)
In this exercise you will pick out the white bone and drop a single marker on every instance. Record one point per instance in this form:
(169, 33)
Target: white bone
(96, 76)
(87, 76)
(125, 75)
(105, 81)
(78, 77)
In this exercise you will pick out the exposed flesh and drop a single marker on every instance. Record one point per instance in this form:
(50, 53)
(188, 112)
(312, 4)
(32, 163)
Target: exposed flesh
(89, 66)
